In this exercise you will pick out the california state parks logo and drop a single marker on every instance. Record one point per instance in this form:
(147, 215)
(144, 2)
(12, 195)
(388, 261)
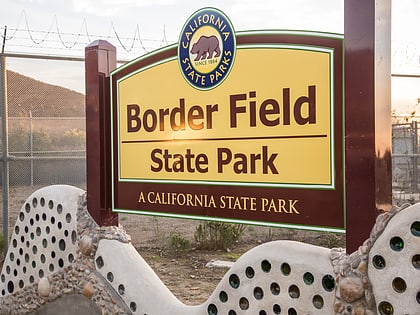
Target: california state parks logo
(206, 49)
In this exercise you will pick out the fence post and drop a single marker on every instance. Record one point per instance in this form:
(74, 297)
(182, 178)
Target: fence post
(414, 131)
(31, 146)
(100, 60)
(5, 146)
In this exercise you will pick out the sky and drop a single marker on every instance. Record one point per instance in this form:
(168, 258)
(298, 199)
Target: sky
(159, 22)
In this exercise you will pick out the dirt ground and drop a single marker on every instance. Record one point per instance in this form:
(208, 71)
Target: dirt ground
(184, 271)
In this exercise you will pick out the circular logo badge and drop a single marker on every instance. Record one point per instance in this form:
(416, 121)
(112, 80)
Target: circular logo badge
(206, 49)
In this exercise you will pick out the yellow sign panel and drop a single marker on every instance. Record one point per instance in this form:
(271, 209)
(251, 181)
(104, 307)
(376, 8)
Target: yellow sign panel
(269, 123)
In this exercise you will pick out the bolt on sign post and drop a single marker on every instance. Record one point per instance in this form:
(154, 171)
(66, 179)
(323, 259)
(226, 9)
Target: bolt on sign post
(239, 127)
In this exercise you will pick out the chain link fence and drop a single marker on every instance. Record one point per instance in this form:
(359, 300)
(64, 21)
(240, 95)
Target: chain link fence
(405, 163)
(46, 135)
(46, 151)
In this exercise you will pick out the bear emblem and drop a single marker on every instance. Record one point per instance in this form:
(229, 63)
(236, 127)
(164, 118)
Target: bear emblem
(205, 47)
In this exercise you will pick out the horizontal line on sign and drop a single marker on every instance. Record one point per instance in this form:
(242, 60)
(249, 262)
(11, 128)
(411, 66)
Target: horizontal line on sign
(224, 139)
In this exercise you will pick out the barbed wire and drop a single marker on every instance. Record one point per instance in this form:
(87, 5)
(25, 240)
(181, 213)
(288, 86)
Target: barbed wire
(54, 30)
(23, 35)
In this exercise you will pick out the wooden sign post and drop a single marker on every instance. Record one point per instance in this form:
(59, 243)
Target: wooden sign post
(100, 60)
(367, 42)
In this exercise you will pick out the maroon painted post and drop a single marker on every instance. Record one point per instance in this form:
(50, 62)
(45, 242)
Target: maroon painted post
(367, 35)
(100, 60)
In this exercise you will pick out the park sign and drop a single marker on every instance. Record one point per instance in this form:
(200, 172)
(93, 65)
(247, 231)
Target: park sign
(240, 127)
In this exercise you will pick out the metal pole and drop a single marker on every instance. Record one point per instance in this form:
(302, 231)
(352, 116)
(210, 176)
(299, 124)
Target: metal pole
(5, 146)
(31, 147)
(414, 131)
